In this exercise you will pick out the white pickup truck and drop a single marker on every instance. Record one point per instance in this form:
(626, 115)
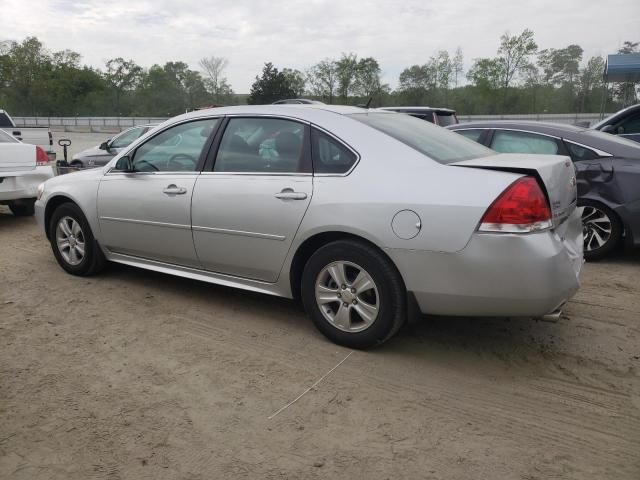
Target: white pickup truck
(40, 136)
(22, 168)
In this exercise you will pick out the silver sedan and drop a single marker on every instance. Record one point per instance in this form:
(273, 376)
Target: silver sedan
(364, 215)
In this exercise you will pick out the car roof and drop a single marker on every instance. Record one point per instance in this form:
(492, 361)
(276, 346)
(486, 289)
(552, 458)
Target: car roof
(419, 109)
(585, 136)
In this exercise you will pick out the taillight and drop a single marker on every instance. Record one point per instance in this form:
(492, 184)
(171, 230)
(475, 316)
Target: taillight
(50, 139)
(41, 156)
(521, 208)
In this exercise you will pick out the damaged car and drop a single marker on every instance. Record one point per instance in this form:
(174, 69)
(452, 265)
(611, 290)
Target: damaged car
(608, 174)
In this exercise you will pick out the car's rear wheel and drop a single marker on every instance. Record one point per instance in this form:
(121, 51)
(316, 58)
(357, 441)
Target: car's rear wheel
(72, 241)
(23, 208)
(602, 230)
(354, 294)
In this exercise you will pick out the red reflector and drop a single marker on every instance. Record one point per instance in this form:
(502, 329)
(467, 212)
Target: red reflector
(41, 156)
(521, 207)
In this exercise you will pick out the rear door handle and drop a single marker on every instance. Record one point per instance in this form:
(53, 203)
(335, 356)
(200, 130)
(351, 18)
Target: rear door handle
(289, 194)
(174, 190)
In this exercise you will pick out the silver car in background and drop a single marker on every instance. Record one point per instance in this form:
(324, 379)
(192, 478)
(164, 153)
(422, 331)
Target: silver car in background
(363, 214)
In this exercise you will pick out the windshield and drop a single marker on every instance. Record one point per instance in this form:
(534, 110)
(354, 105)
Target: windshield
(435, 142)
(616, 139)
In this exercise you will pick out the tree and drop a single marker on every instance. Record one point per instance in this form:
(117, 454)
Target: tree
(458, 66)
(323, 79)
(297, 81)
(560, 66)
(272, 85)
(591, 83)
(627, 91)
(215, 81)
(347, 73)
(367, 82)
(514, 55)
(122, 75)
(486, 73)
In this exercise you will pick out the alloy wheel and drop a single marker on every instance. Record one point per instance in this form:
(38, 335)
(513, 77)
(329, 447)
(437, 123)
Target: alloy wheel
(70, 240)
(596, 228)
(347, 296)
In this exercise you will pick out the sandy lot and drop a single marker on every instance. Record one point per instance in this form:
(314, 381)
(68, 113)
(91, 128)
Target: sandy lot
(134, 375)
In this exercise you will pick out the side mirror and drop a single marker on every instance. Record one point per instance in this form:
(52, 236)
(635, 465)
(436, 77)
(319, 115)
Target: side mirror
(104, 146)
(124, 164)
(608, 129)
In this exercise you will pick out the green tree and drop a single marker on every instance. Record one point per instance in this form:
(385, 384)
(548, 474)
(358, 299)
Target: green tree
(122, 76)
(322, 79)
(347, 74)
(297, 81)
(272, 85)
(216, 83)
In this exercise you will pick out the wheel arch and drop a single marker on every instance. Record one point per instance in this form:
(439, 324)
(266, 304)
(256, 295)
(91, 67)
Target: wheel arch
(52, 204)
(310, 245)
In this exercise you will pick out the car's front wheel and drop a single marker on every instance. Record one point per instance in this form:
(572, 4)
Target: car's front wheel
(602, 230)
(72, 241)
(354, 294)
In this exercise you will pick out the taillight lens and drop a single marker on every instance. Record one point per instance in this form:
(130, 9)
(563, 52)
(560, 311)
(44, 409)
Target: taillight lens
(41, 156)
(521, 208)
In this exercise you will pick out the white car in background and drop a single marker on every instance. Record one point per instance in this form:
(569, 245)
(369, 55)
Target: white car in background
(22, 168)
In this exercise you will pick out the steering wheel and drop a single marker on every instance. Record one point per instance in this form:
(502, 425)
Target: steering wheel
(140, 162)
(181, 161)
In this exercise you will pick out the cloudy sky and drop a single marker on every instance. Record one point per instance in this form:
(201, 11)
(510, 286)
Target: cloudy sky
(298, 33)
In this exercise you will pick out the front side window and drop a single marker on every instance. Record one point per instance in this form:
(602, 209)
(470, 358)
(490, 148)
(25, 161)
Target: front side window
(262, 145)
(329, 155)
(629, 125)
(435, 142)
(176, 149)
(506, 141)
(126, 138)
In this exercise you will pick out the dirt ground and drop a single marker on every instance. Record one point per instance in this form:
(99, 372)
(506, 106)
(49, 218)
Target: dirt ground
(134, 375)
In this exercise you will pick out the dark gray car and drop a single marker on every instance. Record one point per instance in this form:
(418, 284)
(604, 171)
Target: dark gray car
(625, 123)
(101, 155)
(608, 173)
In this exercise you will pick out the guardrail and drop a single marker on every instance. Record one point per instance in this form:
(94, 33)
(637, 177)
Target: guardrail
(100, 124)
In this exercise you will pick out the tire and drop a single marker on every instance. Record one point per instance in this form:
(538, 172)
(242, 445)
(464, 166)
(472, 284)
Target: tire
(24, 208)
(602, 230)
(92, 261)
(76, 164)
(338, 313)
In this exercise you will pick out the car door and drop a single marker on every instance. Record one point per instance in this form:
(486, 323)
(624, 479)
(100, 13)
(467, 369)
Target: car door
(144, 203)
(247, 209)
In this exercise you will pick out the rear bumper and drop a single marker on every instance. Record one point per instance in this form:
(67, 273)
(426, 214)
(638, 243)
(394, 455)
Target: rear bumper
(498, 274)
(24, 185)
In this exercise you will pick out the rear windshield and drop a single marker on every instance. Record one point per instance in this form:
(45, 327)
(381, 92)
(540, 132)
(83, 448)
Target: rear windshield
(435, 142)
(445, 119)
(5, 121)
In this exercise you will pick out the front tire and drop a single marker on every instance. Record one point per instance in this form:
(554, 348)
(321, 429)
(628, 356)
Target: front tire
(602, 230)
(23, 208)
(73, 243)
(354, 294)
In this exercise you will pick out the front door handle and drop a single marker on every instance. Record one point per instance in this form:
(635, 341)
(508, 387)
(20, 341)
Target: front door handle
(174, 190)
(289, 194)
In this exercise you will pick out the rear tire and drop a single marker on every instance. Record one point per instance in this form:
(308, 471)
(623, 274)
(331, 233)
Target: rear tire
(354, 294)
(73, 243)
(602, 230)
(23, 208)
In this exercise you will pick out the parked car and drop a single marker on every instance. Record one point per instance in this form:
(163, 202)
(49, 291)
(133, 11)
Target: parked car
(100, 155)
(625, 123)
(22, 168)
(608, 173)
(439, 116)
(360, 213)
(297, 101)
(40, 136)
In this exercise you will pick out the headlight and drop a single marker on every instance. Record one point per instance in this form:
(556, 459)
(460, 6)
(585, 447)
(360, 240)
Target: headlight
(40, 190)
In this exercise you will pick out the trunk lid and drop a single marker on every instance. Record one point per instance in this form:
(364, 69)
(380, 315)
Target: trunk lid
(16, 158)
(556, 175)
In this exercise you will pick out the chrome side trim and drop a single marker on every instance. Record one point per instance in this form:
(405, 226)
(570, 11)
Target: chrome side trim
(504, 129)
(146, 222)
(227, 231)
(260, 174)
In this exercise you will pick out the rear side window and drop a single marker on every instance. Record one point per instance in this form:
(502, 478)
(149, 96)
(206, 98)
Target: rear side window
(428, 117)
(5, 121)
(578, 152)
(126, 138)
(329, 155)
(470, 134)
(506, 141)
